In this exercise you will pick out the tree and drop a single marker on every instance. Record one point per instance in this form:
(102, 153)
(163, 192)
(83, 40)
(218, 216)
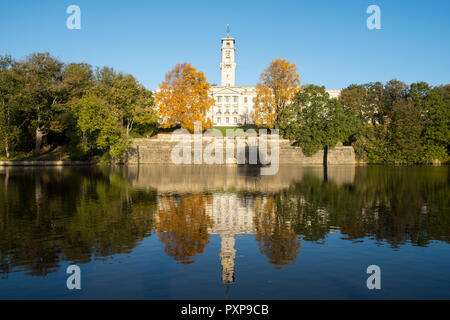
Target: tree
(144, 114)
(133, 101)
(8, 106)
(399, 124)
(393, 91)
(182, 225)
(354, 97)
(77, 79)
(418, 91)
(437, 124)
(100, 127)
(370, 139)
(406, 128)
(41, 79)
(277, 87)
(183, 98)
(274, 232)
(314, 121)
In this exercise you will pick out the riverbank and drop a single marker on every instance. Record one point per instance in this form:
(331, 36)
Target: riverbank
(47, 163)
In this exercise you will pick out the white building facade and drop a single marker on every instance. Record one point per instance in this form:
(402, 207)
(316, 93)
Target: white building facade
(234, 104)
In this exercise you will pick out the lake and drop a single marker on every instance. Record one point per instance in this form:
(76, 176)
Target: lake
(225, 232)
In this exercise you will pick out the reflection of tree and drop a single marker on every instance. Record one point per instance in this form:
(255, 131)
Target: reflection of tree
(182, 225)
(274, 233)
(392, 204)
(76, 215)
(72, 215)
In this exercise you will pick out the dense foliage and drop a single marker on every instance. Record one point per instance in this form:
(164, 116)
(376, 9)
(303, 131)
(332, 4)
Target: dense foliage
(86, 112)
(391, 123)
(314, 120)
(399, 123)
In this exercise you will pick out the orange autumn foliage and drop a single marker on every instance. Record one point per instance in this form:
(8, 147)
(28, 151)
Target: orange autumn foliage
(277, 87)
(183, 98)
(182, 225)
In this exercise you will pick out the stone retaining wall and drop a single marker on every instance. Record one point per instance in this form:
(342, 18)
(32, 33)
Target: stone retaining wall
(158, 150)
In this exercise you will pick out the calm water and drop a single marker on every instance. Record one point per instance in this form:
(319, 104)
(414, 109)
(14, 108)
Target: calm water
(153, 232)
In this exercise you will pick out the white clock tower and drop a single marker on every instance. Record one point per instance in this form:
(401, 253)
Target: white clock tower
(228, 65)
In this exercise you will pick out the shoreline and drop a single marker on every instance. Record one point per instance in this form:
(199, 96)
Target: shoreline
(45, 163)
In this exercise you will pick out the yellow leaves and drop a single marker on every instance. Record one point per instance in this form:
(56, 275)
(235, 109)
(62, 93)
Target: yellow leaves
(277, 87)
(182, 225)
(183, 98)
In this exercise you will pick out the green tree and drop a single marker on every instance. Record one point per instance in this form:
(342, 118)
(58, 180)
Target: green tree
(406, 128)
(8, 105)
(437, 124)
(393, 91)
(100, 127)
(314, 120)
(40, 76)
(133, 103)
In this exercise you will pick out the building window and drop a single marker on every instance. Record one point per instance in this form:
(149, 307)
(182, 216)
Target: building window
(218, 119)
(227, 99)
(235, 99)
(245, 100)
(228, 110)
(235, 120)
(235, 110)
(228, 120)
(219, 99)
(218, 110)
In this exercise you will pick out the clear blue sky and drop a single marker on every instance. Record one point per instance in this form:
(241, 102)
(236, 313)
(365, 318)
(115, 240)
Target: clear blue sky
(328, 40)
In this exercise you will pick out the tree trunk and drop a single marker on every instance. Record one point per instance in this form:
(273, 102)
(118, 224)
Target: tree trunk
(325, 163)
(6, 147)
(39, 136)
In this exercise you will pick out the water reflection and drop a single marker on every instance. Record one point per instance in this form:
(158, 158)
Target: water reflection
(182, 224)
(77, 215)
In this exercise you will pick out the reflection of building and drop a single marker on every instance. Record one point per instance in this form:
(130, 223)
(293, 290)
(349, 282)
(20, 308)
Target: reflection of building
(231, 215)
(184, 223)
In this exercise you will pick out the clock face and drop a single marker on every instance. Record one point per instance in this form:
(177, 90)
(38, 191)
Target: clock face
(227, 54)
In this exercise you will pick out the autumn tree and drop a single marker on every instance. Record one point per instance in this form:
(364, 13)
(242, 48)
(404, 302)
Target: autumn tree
(182, 225)
(276, 89)
(183, 98)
